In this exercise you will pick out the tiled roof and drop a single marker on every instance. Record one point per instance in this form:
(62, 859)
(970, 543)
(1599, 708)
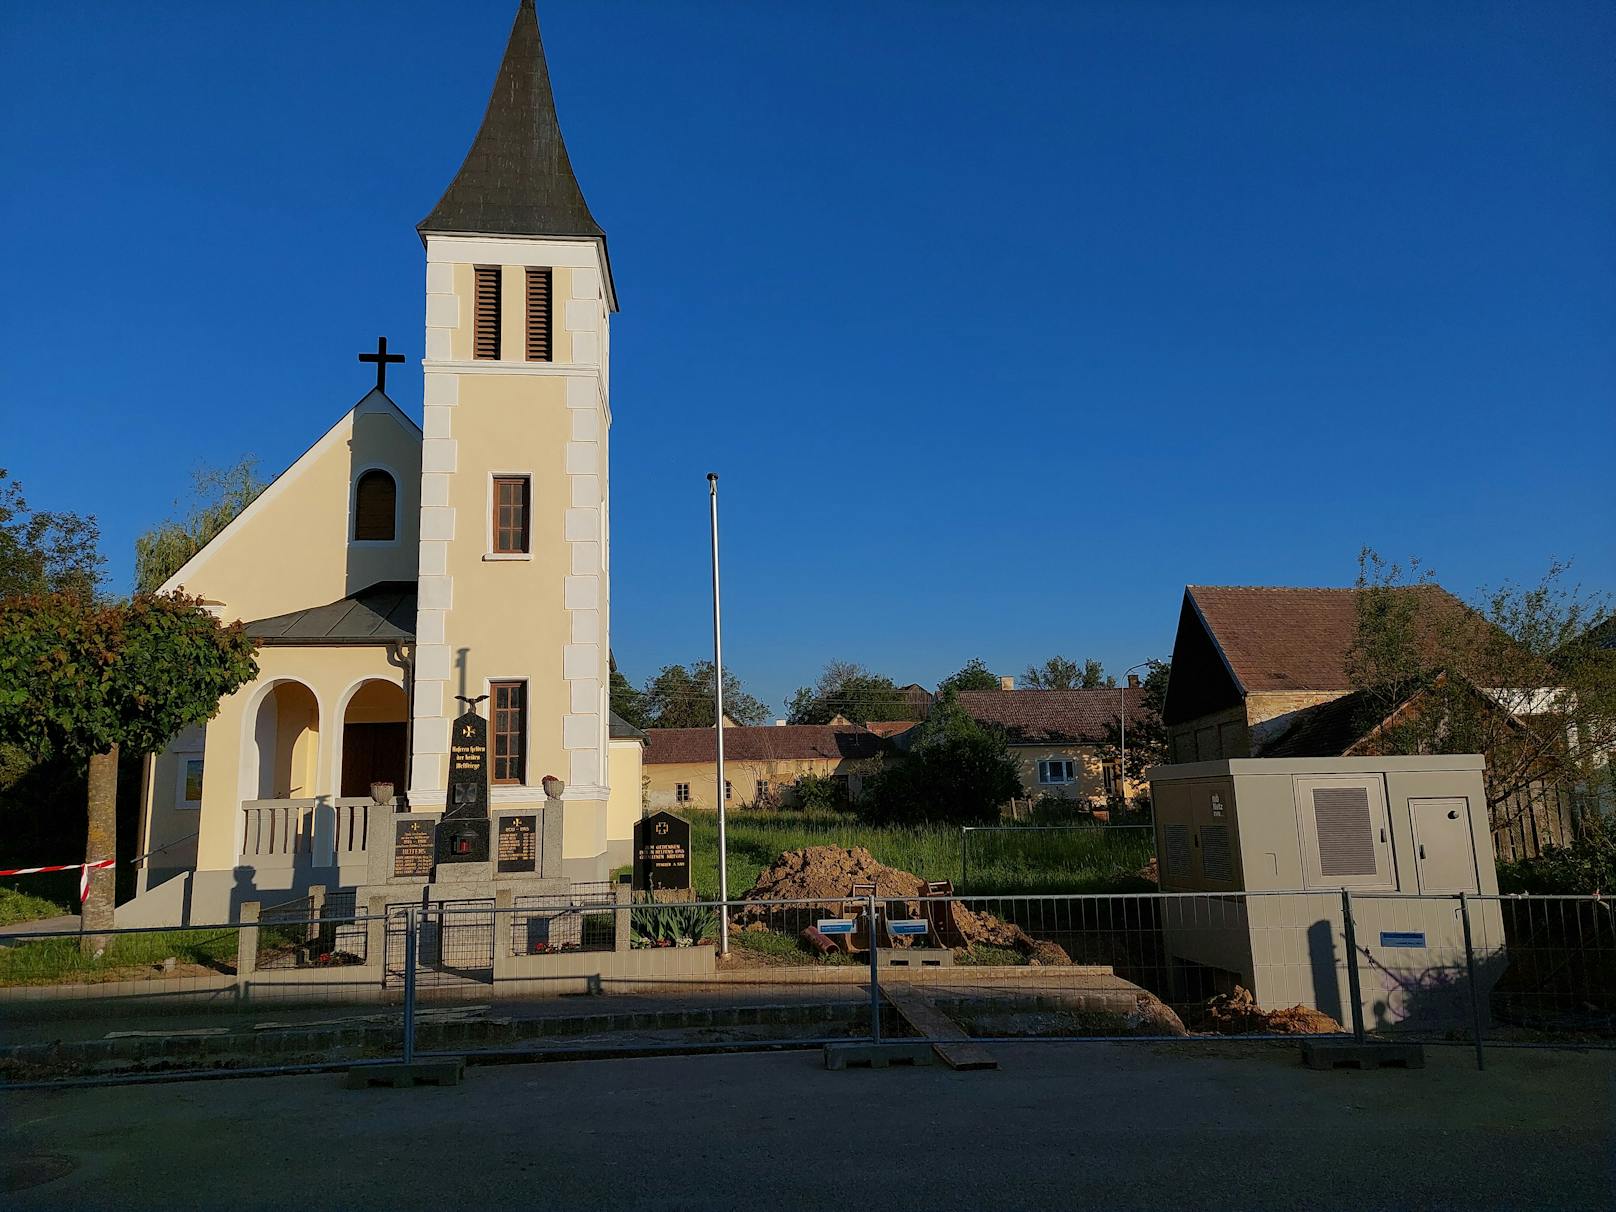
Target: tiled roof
(763, 743)
(377, 614)
(890, 727)
(517, 179)
(1278, 639)
(1031, 717)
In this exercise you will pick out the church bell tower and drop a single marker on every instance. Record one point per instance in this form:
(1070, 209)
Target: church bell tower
(514, 598)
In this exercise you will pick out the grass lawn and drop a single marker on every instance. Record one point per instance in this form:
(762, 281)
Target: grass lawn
(52, 961)
(1083, 859)
(21, 907)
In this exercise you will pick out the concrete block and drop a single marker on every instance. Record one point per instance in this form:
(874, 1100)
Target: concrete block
(865, 1054)
(1350, 1054)
(401, 1076)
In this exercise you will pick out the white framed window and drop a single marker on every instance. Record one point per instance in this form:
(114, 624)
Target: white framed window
(1053, 772)
(188, 780)
(763, 789)
(729, 791)
(681, 793)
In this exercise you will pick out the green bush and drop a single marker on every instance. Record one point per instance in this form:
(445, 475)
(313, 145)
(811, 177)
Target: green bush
(1587, 866)
(956, 772)
(818, 793)
(672, 925)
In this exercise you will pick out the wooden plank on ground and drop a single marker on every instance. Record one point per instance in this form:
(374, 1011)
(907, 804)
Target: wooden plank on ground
(947, 1037)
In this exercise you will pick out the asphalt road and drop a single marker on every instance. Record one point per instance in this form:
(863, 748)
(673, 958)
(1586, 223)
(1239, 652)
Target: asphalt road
(1058, 1126)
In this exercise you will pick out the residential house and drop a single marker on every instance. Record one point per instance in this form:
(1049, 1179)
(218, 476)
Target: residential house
(761, 764)
(1062, 739)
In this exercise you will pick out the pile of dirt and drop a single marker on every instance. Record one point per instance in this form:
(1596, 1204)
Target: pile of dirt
(1149, 872)
(825, 873)
(1237, 1013)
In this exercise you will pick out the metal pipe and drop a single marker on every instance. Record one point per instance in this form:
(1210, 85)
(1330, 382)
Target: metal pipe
(1470, 975)
(718, 724)
(1350, 932)
(411, 925)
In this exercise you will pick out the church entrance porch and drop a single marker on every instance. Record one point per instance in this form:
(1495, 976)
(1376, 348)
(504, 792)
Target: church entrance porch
(375, 739)
(455, 942)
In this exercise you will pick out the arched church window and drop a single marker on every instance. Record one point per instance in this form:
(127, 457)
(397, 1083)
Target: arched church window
(375, 501)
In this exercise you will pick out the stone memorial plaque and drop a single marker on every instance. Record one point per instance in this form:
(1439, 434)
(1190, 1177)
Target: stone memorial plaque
(468, 768)
(518, 843)
(662, 853)
(414, 849)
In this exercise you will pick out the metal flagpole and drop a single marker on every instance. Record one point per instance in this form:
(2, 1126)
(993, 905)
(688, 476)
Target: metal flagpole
(718, 727)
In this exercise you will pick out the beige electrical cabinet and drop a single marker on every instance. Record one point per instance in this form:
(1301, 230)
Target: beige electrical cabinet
(1404, 835)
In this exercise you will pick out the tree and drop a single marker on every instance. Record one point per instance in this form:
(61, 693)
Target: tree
(1517, 677)
(956, 770)
(1147, 736)
(1058, 673)
(45, 552)
(848, 689)
(82, 679)
(218, 494)
(973, 676)
(680, 697)
(627, 702)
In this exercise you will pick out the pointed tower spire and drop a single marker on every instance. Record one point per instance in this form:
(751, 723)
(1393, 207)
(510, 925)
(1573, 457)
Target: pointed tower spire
(517, 179)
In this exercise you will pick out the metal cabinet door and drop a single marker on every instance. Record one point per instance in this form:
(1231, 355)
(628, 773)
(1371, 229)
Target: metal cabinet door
(1444, 848)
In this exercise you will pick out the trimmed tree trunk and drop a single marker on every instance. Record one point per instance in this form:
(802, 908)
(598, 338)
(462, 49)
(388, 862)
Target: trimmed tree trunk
(101, 843)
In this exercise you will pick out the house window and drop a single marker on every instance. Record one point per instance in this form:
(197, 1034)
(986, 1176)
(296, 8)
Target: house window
(681, 793)
(485, 317)
(763, 789)
(1055, 771)
(509, 731)
(375, 507)
(510, 522)
(1110, 778)
(190, 782)
(729, 790)
(538, 315)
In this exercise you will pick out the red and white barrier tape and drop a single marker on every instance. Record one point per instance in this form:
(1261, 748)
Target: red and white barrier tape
(84, 870)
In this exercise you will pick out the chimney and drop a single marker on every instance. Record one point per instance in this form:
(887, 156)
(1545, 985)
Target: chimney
(1007, 683)
(1133, 681)
(779, 723)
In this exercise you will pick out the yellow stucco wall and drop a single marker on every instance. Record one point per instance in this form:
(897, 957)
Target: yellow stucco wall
(230, 772)
(1089, 767)
(742, 776)
(624, 806)
(290, 549)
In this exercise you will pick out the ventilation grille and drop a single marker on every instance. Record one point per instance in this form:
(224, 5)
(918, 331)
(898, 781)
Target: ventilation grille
(486, 340)
(1176, 840)
(538, 315)
(1216, 859)
(1345, 829)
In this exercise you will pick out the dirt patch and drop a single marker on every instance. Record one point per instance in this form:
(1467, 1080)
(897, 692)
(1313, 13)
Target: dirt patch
(1237, 1013)
(1149, 872)
(828, 873)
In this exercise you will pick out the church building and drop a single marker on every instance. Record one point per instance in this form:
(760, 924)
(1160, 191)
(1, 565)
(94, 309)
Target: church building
(397, 573)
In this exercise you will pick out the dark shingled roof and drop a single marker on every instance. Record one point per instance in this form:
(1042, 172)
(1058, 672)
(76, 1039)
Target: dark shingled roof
(378, 614)
(763, 743)
(621, 728)
(517, 179)
(1042, 717)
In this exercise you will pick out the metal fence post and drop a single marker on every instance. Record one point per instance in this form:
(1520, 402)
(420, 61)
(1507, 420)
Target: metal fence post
(1354, 991)
(1470, 975)
(964, 829)
(875, 980)
(411, 925)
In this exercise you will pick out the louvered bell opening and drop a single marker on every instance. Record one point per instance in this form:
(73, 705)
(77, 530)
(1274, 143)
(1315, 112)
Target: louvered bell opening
(1346, 831)
(375, 497)
(486, 336)
(538, 315)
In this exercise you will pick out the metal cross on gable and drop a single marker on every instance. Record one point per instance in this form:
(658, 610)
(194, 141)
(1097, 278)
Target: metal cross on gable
(381, 357)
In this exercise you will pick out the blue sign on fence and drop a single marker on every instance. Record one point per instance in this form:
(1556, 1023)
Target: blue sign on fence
(1402, 938)
(835, 925)
(907, 927)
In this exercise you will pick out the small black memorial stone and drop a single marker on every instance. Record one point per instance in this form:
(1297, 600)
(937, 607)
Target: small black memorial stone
(518, 843)
(662, 853)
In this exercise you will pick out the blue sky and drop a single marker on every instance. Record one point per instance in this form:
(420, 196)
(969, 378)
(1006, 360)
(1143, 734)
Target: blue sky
(1000, 322)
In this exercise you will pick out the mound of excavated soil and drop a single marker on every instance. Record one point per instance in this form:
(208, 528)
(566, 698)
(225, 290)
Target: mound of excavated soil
(1237, 1013)
(829, 872)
